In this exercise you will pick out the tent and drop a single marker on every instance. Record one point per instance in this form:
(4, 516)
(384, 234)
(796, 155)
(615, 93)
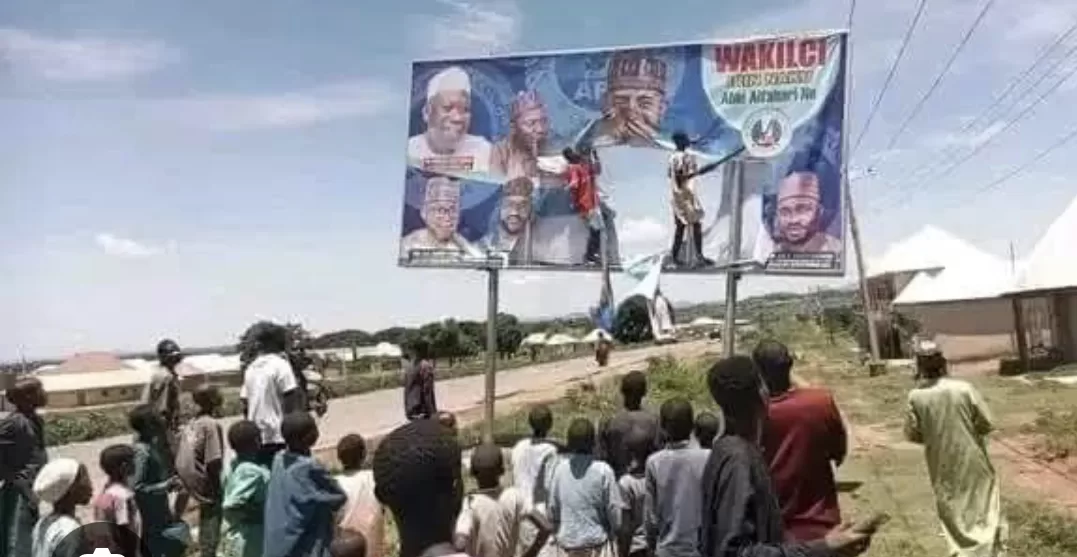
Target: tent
(595, 336)
(561, 339)
(534, 339)
(705, 323)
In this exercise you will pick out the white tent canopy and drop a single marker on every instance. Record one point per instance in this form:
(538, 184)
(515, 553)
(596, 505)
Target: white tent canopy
(970, 274)
(596, 335)
(534, 339)
(561, 339)
(929, 248)
(703, 322)
(1052, 266)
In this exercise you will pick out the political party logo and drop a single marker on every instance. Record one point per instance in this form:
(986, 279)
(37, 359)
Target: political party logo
(766, 132)
(582, 79)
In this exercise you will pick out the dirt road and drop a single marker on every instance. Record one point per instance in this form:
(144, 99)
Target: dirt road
(376, 413)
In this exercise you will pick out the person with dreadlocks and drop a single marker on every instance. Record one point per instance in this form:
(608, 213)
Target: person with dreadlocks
(418, 477)
(951, 420)
(22, 455)
(741, 516)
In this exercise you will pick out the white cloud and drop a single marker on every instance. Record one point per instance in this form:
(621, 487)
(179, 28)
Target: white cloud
(80, 59)
(350, 99)
(470, 28)
(126, 248)
(642, 232)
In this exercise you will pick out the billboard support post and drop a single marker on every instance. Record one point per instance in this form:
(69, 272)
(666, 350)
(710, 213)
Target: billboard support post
(865, 294)
(492, 284)
(732, 275)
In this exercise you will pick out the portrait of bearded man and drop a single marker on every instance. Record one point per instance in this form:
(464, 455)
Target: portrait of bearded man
(635, 100)
(518, 153)
(799, 226)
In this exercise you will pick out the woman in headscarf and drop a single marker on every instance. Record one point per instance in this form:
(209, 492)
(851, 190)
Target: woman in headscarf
(64, 484)
(951, 420)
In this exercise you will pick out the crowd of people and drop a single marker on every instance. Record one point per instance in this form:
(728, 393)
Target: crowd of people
(755, 479)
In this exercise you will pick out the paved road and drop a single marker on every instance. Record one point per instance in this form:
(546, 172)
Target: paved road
(376, 413)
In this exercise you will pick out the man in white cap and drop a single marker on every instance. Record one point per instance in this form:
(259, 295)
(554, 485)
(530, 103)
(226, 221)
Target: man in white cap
(65, 484)
(441, 215)
(446, 146)
(798, 223)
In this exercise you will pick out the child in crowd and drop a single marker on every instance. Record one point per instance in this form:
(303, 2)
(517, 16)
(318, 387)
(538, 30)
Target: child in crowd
(116, 503)
(490, 520)
(349, 544)
(708, 427)
(151, 482)
(585, 501)
(417, 476)
(448, 421)
(632, 541)
(198, 464)
(533, 461)
(64, 484)
(362, 513)
(673, 512)
(243, 502)
(22, 454)
(302, 496)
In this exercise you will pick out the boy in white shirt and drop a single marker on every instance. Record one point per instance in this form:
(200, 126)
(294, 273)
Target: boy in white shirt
(491, 516)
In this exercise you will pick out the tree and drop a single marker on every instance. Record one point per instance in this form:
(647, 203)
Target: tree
(247, 345)
(509, 335)
(633, 322)
(343, 339)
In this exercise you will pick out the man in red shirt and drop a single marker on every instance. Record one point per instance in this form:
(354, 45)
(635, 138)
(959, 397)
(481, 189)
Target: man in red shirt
(803, 436)
(581, 182)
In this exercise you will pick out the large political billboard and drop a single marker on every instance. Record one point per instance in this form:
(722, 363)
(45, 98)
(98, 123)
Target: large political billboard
(506, 156)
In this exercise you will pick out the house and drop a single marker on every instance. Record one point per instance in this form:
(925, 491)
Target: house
(950, 288)
(1049, 279)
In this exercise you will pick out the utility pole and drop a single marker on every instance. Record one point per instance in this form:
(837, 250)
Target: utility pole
(865, 295)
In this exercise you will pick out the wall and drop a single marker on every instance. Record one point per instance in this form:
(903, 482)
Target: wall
(969, 330)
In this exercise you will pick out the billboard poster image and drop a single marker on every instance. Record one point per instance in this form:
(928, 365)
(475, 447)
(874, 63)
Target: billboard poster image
(506, 155)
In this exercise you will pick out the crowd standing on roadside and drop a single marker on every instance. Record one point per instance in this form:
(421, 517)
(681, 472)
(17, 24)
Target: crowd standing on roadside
(754, 479)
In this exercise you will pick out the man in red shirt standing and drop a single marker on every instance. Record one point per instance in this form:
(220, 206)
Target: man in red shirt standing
(581, 182)
(803, 436)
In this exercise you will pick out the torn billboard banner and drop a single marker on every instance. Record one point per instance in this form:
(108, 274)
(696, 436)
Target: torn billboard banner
(486, 180)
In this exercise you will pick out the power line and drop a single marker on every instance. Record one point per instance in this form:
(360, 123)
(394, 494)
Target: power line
(914, 179)
(1062, 141)
(890, 75)
(927, 169)
(1020, 116)
(938, 79)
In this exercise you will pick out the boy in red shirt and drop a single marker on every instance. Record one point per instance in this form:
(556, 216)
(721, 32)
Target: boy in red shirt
(804, 435)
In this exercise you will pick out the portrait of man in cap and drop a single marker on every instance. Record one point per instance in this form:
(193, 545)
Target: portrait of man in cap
(446, 145)
(441, 216)
(798, 221)
(635, 100)
(517, 154)
(512, 232)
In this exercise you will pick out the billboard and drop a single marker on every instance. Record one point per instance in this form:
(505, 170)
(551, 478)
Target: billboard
(488, 182)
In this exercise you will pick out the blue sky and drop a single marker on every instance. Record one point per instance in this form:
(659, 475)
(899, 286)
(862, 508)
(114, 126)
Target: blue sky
(181, 169)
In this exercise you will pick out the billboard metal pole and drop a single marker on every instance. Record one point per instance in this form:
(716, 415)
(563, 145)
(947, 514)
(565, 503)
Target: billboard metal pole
(865, 295)
(491, 353)
(732, 274)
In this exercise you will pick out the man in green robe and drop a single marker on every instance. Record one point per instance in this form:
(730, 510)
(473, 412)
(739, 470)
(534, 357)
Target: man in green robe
(951, 420)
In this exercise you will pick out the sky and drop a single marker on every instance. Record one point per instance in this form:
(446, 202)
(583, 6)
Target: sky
(183, 169)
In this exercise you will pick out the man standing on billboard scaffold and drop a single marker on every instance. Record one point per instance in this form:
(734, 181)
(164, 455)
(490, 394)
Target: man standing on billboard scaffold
(511, 234)
(687, 208)
(517, 154)
(446, 146)
(581, 183)
(635, 100)
(441, 216)
(799, 226)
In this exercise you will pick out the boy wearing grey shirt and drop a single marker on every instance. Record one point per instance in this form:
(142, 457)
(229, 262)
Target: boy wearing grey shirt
(673, 501)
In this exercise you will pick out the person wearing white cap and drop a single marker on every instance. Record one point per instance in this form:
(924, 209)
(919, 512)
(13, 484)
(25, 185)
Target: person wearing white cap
(446, 146)
(64, 484)
(441, 216)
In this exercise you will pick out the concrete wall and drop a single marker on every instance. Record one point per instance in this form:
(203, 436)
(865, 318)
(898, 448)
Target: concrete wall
(970, 330)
